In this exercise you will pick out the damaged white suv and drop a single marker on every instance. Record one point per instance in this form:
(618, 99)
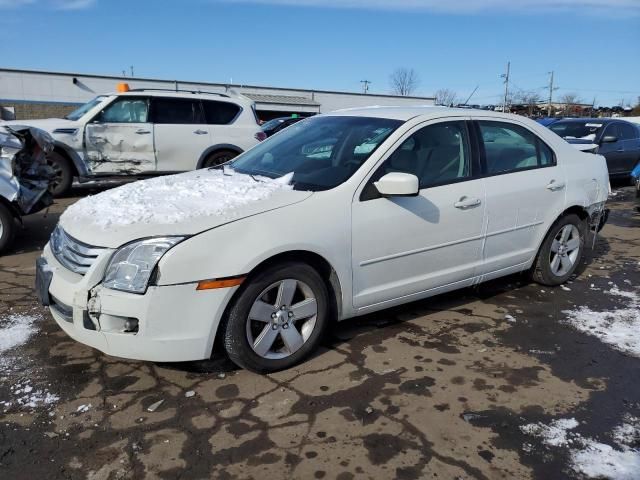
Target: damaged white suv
(148, 132)
(337, 216)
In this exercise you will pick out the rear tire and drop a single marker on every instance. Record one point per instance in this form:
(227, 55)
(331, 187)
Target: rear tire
(7, 227)
(278, 319)
(561, 252)
(61, 184)
(218, 158)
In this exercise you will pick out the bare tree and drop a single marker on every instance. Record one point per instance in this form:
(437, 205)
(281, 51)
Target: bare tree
(570, 101)
(404, 81)
(528, 98)
(446, 97)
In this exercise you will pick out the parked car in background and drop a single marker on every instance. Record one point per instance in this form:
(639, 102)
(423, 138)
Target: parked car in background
(635, 180)
(148, 132)
(24, 177)
(546, 121)
(617, 140)
(278, 124)
(337, 216)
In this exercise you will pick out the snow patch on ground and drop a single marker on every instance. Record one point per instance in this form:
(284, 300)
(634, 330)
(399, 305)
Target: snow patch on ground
(25, 395)
(174, 198)
(553, 435)
(619, 327)
(590, 457)
(15, 330)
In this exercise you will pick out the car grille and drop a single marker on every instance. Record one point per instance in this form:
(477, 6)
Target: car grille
(73, 254)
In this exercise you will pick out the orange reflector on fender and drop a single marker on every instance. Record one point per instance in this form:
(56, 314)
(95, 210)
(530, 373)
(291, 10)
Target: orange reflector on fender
(221, 283)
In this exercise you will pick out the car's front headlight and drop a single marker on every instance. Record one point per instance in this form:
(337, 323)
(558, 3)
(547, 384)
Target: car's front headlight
(132, 265)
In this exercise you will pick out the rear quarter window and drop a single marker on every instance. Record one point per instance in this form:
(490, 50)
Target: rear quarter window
(511, 148)
(220, 113)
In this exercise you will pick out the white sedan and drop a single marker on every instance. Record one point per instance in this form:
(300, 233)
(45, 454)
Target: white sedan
(337, 216)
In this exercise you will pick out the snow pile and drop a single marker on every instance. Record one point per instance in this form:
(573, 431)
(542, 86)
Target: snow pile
(619, 328)
(175, 198)
(553, 435)
(589, 457)
(15, 329)
(26, 395)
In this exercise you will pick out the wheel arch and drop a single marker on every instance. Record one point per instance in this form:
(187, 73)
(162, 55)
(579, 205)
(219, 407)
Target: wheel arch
(316, 261)
(216, 148)
(578, 210)
(76, 163)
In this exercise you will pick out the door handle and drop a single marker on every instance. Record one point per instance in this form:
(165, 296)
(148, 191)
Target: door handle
(143, 132)
(200, 132)
(555, 186)
(467, 202)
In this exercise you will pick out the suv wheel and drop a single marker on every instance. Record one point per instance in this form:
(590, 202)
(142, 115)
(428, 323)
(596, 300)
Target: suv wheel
(278, 319)
(61, 183)
(7, 227)
(218, 158)
(561, 251)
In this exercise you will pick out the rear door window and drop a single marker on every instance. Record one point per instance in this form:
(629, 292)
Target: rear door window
(220, 113)
(627, 132)
(510, 148)
(177, 111)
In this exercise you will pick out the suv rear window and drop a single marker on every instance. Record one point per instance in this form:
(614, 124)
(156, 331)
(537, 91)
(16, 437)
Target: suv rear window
(219, 113)
(176, 111)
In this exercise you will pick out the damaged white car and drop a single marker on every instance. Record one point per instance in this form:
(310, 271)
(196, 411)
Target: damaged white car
(24, 177)
(337, 216)
(147, 132)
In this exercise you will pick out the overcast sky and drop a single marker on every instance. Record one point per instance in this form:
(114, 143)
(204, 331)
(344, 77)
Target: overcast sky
(592, 45)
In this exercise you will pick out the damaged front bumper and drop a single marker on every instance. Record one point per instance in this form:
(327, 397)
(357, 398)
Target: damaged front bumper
(172, 323)
(24, 174)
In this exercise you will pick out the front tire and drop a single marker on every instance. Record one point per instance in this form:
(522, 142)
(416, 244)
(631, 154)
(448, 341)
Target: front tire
(61, 183)
(561, 251)
(278, 319)
(7, 227)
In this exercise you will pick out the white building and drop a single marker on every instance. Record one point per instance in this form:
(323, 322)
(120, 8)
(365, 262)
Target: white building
(28, 94)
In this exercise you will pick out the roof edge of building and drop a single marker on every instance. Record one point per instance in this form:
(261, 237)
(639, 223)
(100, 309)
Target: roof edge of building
(229, 85)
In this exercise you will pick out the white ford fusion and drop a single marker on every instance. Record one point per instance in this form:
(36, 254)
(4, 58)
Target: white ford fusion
(337, 216)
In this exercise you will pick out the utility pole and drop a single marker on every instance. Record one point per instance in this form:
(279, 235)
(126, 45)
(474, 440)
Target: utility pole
(506, 87)
(550, 93)
(131, 71)
(365, 86)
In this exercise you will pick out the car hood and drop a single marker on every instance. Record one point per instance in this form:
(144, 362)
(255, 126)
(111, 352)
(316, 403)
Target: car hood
(46, 124)
(584, 145)
(184, 204)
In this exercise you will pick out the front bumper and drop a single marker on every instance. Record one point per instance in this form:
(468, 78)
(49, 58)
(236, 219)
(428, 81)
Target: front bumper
(174, 323)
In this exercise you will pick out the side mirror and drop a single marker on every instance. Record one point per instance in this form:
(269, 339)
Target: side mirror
(398, 184)
(609, 139)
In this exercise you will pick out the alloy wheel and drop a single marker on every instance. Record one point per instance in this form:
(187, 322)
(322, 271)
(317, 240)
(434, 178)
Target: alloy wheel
(564, 250)
(282, 319)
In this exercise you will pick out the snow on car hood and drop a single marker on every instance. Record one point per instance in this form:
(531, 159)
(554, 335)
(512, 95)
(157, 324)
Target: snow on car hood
(187, 203)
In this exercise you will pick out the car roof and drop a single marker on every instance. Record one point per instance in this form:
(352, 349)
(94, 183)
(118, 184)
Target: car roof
(424, 111)
(589, 119)
(223, 97)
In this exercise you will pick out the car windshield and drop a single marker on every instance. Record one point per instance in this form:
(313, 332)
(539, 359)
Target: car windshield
(80, 111)
(578, 130)
(321, 153)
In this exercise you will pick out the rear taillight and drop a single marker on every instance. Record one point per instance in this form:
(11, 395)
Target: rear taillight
(260, 136)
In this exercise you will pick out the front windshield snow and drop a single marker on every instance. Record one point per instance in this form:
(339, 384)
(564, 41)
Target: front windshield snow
(80, 111)
(323, 152)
